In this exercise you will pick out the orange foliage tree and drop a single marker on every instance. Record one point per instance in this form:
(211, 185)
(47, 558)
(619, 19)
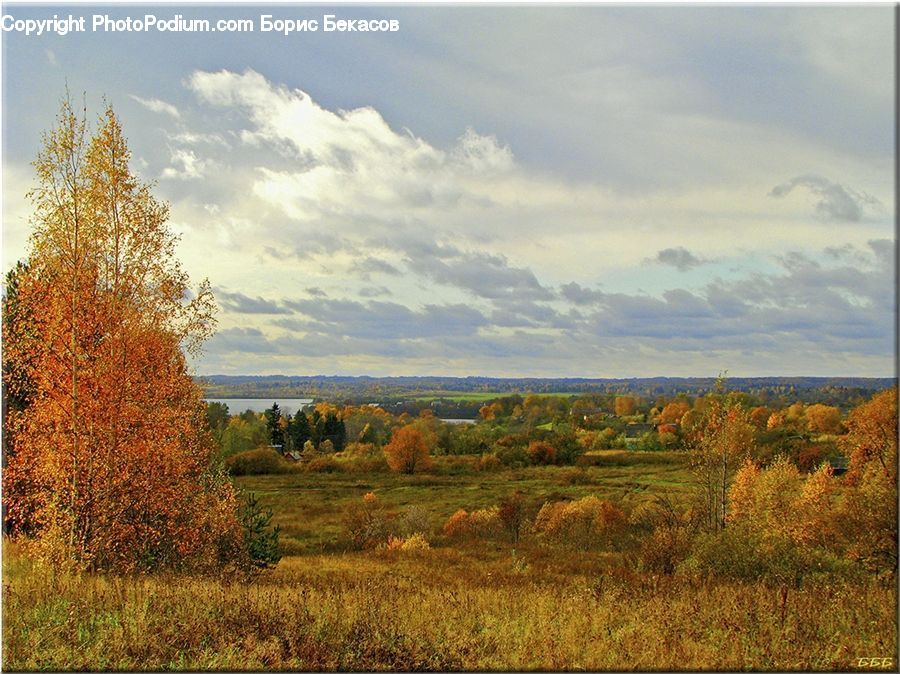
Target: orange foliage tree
(823, 419)
(872, 435)
(673, 412)
(407, 451)
(624, 406)
(870, 504)
(108, 464)
(721, 439)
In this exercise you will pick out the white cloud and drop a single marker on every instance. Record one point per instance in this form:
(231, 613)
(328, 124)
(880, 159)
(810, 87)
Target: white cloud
(158, 106)
(186, 165)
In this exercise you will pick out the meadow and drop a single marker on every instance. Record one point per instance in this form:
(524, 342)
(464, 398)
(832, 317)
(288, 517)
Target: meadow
(471, 605)
(308, 507)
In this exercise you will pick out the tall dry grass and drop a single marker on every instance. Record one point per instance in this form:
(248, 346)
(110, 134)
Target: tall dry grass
(431, 610)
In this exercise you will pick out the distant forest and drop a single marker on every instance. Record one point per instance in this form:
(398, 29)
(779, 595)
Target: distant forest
(841, 391)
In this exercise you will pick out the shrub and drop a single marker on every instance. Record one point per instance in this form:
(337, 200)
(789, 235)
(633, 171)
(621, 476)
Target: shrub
(489, 463)
(512, 457)
(365, 522)
(415, 520)
(414, 543)
(483, 523)
(324, 464)
(541, 453)
(261, 461)
(261, 540)
(588, 522)
(512, 514)
(664, 549)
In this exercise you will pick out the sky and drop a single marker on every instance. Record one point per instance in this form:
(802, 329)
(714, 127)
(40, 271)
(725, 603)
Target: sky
(590, 191)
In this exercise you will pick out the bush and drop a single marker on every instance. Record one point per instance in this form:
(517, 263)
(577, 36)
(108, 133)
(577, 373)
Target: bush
(541, 453)
(415, 520)
(323, 464)
(263, 461)
(664, 549)
(483, 523)
(512, 457)
(365, 522)
(489, 463)
(414, 543)
(261, 540)
(586, 523)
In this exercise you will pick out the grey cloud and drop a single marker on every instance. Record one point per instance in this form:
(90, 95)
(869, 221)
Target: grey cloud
(240, 340)
(680, 258)
(809, 305)
(242, 304)
(373, 291)
(383, 320)
(579, 295)
(315, 291)
(835, 201)
(482, 274)
(373, 265)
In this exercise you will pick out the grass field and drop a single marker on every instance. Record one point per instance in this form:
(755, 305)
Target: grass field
(441, 609)
(469, 605)
(308, 506)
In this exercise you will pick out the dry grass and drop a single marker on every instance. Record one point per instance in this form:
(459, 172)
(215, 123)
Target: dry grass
(439, 609)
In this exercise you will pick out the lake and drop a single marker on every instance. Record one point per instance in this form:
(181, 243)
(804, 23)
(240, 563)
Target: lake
(238, 405)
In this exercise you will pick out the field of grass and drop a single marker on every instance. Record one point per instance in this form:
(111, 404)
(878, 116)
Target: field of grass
(464, 605)
(308, 506)
(441, 609)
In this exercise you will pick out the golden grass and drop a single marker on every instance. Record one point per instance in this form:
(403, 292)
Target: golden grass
(483, 608)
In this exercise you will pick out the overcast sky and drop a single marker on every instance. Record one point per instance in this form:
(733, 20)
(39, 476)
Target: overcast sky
(510, 191)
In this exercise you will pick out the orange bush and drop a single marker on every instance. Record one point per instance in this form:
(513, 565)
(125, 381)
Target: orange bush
(541, 453)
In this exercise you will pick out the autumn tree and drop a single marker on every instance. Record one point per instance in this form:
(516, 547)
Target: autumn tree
(872, 435)
(823, 419)
(720, 441)
(870, 504)
(624, 406)
(110, 465)
(407, 451)
(673, 412)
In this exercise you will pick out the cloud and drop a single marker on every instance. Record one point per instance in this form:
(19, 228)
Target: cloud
(373, 291)
(482, 274)
(158, 106)
(680, 258)
(382, 320)
(835, 201)
(372, 265)
(579, 295)
(186, 165)
(533, 258)
(239, 303)
(348, 161)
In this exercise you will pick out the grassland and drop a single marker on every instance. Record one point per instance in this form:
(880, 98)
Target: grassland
(442, 609)
(308, 507)
(474, 605)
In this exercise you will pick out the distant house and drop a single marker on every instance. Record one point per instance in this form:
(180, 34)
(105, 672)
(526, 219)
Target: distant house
(634, 430)
(293, 456)
(667, 428)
